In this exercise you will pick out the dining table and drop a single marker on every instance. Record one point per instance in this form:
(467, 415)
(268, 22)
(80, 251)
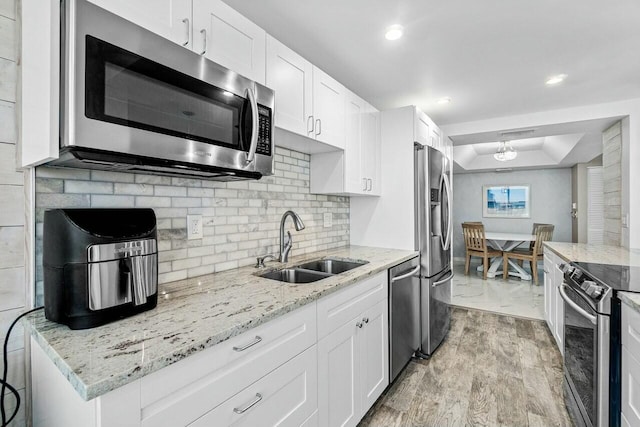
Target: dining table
(506, 242)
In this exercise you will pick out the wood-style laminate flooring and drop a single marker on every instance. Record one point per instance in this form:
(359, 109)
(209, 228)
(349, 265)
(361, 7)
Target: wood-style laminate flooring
(492, 370)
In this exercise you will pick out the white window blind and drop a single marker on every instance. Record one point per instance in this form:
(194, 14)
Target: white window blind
(595, 206)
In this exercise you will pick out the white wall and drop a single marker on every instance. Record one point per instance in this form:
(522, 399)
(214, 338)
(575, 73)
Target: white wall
(630, 145)
(550, 202)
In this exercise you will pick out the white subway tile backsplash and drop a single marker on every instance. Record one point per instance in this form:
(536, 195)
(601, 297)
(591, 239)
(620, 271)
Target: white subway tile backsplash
(241, 219)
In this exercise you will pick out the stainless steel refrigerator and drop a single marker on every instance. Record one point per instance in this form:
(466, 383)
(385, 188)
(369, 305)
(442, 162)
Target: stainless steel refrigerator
(433, 241)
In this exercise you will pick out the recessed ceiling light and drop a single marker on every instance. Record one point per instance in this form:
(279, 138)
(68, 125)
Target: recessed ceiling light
(444, 100)
(557, 79)
(394, 32)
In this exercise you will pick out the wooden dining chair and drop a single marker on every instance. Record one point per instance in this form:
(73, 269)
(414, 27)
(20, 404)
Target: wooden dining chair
(476, 245)
(535, 229)
(544, 233)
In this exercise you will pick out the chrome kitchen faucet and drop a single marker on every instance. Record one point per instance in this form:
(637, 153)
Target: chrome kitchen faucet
(285, 248)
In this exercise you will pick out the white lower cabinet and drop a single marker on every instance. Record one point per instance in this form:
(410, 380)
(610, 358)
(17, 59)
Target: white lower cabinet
(630, 336)
(285, 397)
(553, 302)
(325, 364)
(353, 358)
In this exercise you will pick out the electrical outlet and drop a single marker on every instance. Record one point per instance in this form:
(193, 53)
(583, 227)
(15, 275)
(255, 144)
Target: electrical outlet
(194, 227)
(328, 219)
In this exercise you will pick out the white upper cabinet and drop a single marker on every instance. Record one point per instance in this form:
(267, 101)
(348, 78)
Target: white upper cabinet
(328, 109)
(170, 19)
(355, 182)
(356, 170)
(422, 124)
(291, 77)
(228, 38)
(371, 148)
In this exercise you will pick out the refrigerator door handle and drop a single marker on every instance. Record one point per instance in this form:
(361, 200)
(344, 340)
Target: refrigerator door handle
(404, 276)
(447, 243)
(440, 282)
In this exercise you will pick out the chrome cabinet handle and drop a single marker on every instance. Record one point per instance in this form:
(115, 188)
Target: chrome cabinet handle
(318, 126)
(204, 41)
(249, 405)
(370, 184)
(186, 21)
(593, 319)
(251, 155)
(359, 325)
(440, 282)
(255, 341)
(310, 131)
(546, 271)
(365, 319)
(404, 276)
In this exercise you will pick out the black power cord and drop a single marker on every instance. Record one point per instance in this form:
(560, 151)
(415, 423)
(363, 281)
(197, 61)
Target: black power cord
(3, 381)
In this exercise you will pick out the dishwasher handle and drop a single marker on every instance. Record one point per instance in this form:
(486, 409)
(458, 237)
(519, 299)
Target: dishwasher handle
(404, 276)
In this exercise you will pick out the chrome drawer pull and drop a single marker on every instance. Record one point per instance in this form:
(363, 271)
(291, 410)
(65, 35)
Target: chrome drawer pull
(249, 405)
(256, 340)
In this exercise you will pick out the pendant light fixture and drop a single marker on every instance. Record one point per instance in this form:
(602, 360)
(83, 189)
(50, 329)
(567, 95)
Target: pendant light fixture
(505, 152)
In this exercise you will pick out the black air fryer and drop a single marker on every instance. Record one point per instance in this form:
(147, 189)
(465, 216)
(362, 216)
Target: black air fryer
(100, 265)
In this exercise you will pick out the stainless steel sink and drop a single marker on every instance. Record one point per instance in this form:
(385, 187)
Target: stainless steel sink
(295, 275)
(331, 266)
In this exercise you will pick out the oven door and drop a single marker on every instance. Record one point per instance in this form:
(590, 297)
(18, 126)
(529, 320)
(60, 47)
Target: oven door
(586, 356)
(127, 90)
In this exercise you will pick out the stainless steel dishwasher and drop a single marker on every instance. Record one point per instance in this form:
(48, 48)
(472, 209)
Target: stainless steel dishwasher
(404, 314)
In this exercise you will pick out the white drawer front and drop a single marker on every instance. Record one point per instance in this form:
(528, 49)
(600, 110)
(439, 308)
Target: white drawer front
(630, 387)
(630, 329)
(286, 397)
(184, 391)
(337, 309)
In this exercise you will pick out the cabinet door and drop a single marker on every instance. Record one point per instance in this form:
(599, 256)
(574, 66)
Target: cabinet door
(355, 180)
(421, 128)
(328, 109)
(435, 138)
(371, 148)
(630, 385)
(374, 355)
(559, 311)
(285, 397)
(338, 365)
(228, 38)
(291, 77)
(169, 18)
(548, 286)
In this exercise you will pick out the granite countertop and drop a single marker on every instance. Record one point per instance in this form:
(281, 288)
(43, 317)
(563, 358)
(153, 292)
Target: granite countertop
(632, 299)
(192, 315)
(600, 254)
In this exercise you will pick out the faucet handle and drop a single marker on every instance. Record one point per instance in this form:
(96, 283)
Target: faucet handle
(261, 259)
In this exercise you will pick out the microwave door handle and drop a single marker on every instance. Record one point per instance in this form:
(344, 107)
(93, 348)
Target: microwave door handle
(251, 156)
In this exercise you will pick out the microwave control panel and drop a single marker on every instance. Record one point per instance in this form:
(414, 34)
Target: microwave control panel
(264, 131)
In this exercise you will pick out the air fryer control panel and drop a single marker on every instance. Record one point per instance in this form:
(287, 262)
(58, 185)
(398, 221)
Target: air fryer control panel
(264, 131)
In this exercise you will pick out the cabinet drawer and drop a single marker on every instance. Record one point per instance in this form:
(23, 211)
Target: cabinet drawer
(630, 329)
(184, 391)
(286, 397)
(337, 309)
(630, 387)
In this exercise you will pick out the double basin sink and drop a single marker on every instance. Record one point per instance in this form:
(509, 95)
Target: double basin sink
(313, 271)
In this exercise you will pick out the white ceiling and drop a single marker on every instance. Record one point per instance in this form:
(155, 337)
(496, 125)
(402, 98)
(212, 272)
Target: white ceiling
(491, 56)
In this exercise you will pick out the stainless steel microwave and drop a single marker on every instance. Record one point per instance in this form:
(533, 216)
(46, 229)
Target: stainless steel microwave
(134, 101)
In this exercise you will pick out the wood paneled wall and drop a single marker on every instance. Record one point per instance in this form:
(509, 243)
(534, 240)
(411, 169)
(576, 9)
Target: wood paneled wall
(612, 164)
(12, 203)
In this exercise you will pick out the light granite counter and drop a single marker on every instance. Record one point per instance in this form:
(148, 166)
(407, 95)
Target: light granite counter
(191, 315)
(600, 254)
(631, 299)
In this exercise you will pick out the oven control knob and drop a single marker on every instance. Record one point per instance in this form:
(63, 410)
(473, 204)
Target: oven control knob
(576, 274)
(566, 268)
(596, 291)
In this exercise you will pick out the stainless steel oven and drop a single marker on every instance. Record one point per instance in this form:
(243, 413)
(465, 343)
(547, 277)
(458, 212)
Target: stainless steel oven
(591, 348)
(132, 100)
